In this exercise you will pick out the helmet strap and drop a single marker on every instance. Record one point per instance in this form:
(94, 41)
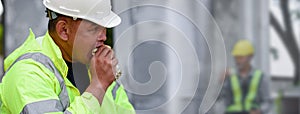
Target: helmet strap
(52, 15)
(74, 18)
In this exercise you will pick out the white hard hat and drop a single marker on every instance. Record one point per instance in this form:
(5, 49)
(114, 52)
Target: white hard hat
(97, 11)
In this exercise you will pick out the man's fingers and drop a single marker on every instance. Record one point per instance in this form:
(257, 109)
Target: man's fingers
(115, 62)
(112, 55)
(108, 46)
(105, 52)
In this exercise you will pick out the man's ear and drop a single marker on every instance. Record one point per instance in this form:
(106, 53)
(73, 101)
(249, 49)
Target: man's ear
(62, 30)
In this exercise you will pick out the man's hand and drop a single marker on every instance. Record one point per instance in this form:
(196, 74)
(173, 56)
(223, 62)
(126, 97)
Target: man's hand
(102, 68)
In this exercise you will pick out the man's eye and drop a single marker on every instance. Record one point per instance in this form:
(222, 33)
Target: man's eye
(97, 29)
(93, 29)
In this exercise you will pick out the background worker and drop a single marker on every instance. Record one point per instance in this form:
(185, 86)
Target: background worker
(246, 89)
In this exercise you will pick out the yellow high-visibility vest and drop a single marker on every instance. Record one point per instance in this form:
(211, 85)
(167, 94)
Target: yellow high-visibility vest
(35, 82)
(238, 105)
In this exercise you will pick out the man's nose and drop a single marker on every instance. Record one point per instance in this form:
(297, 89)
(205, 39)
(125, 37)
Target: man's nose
(102, 35)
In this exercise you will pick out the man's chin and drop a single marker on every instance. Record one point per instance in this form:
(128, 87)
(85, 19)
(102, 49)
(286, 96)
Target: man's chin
(240, 67)
(87, 61)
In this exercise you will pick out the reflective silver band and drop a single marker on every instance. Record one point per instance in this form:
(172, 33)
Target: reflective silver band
(46, 61)
(114, 90)
(67, 112)
(42, 107)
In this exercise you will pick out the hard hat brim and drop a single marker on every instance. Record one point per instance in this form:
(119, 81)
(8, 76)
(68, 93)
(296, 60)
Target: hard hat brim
(108, 21)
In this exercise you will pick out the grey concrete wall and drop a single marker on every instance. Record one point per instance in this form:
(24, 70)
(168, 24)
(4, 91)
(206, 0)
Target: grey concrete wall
(20, 16)
(175, 33)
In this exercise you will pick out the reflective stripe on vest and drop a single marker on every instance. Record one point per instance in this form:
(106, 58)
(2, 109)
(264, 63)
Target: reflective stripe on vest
(40, 106)
(114, 90)
(238, 105)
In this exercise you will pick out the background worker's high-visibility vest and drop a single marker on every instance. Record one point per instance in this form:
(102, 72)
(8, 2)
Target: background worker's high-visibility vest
(238, 104)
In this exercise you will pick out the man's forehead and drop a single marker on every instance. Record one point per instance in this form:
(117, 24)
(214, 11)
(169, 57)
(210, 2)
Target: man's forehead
(91, 24)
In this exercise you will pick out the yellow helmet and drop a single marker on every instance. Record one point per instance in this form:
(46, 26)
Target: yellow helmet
(243, 48)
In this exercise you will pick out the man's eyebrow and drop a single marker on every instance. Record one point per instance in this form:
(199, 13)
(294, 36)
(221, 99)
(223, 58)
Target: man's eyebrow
(92, 25)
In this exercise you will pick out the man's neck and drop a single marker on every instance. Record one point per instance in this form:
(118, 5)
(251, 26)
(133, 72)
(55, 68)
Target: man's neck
(58, 42)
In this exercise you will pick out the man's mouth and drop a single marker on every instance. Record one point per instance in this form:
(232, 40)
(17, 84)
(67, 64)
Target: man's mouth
(95, 49)
(98, 45)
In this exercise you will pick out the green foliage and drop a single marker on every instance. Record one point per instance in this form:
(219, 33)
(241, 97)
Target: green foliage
(278, 102)
(109, 35)
(274, 52)
(295, 14)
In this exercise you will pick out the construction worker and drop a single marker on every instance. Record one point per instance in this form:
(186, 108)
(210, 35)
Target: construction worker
(246, 89)
(38, 77)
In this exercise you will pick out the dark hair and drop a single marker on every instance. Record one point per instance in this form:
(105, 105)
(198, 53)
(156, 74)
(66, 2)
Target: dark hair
(52, 20)
(51, 25)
